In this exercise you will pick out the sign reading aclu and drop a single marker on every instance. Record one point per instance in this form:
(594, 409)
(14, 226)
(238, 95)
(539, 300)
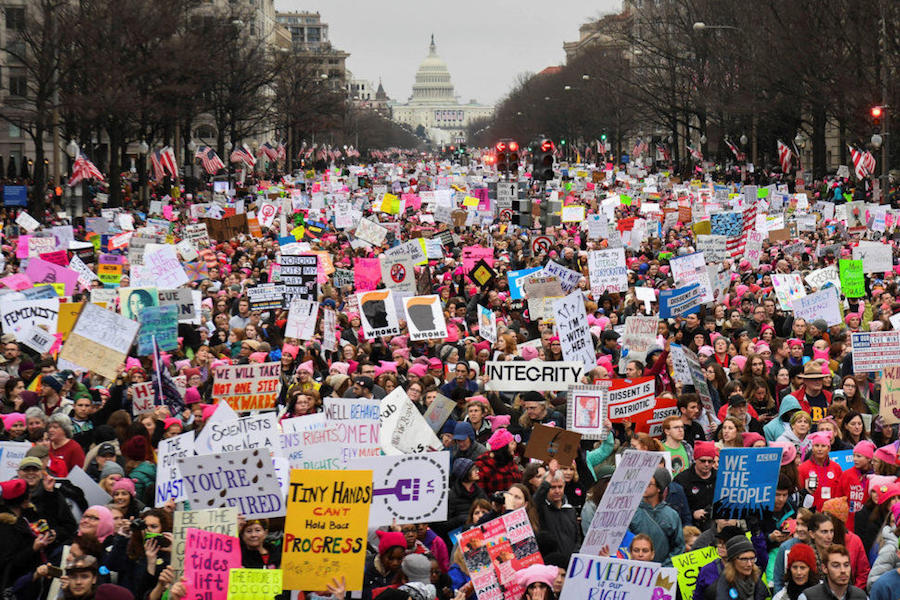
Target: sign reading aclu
(538, 375)
(745, 483)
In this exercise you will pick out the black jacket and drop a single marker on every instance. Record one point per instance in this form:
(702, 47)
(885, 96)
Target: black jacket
(561, 522)
(459, 503)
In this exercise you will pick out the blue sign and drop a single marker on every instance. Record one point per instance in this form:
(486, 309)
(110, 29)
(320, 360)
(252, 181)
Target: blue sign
(680, 301)
(15, 195)
(517, 282)
(746, 481)
(843, 458)
(161, 323)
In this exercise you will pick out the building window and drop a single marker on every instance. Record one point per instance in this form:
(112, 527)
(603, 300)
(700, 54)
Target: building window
(18, 83)
(14, 131)
(312, 34)
(15, 18)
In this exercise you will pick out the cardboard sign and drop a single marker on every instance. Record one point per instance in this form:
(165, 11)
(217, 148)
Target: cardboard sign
(370, 232)
(537, 375)
(99, 341)
(438, 412)
(39, 340)
(517, 281)
(223, 230)
(377, 313)
(133, 299)
(326, 505)
(875, 350)
(688, 566)
(408, 488)
(607, 271)
(890, 395)
(586, 410)
(253, 386)
(495, 550)
(216, 520)
(619, 503)
(547, 443)
(425, 318)
(638, 338)
(258, 430)
(604, 577)
(20, 316)
(208, 558)
(398, 272)
(745, 482)
(254, 584)
(41, 271)
(186, 303)
(93, 493)
(824, 304)
(245, 480)
(142, 397)
(403, 429)
(302, 318)
(568, 279)
(169, 483)
(818, 278)
(876, 257)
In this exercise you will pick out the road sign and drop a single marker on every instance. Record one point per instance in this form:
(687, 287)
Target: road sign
(506, 193)
(541, 244)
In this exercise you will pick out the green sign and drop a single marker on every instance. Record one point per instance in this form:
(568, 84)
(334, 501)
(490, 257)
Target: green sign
(853, 281)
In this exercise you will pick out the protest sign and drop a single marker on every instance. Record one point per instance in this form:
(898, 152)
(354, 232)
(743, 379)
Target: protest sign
(370, 232)
(185, 301)
(378, 314)
(407, 489)
(27, 222)
(788, 288)
(517, 281)
(99, 341)
(39, 340)
(607, 271)
(162, 267)
(487, 324)
(753, 248)
(398, 272)
(142, 397)
(874, 350)
(133, 299)
(547, 443)
(245, 480)
(620, 501)
(299, 274)
(495, 550)
(639, 337)
(596, 577)
(876, 257)
(537, 375)
(187, 250)
(824, 304)
(253, 386)
(853, 281)
(597, 226)
(425, 318)
(713, 247)
(208, 558)
(635, 400)
(366, 273)
(266, 296)
(302, 318)
(818, 278)
(169, 484)
(11, 454)
(329, 330)
(159, 324)
(537, 288)
(20, 316)
(257, 430)
(93, 493)
(586, 411)
(890, 394)
(438, 412)
(573, 331)
(197, 234)
(692, 268)
(217, 520)
(254, 584)
(41, 271)
(568, 279)
(680, 301)
(688, 566)
(403, 429)
(745, 482)
(226, 228)
(326, 505)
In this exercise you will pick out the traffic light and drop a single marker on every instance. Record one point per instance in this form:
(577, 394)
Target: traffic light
(512, 165)
(507, 157)
(502, 157)
(877, 112)
(542, 160)
(603, 137)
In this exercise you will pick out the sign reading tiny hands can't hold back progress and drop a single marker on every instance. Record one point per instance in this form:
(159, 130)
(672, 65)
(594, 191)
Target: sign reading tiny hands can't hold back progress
(538, 375)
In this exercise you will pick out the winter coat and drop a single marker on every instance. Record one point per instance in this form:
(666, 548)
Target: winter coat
(887, 556)
(774, 428)
(707, 578)
(561, 521)
(144, 476)
(724, 587)
(663, 525)
(17, 555)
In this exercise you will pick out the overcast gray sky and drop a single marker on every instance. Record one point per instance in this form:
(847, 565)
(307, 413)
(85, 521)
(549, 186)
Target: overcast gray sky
(486, 43)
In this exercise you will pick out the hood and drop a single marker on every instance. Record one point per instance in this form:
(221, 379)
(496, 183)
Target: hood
(788, 403)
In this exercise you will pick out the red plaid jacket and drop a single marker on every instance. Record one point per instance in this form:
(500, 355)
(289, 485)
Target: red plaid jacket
(495, 478)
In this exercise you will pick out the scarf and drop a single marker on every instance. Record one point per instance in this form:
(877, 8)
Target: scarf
(746, 587)
(794, 590)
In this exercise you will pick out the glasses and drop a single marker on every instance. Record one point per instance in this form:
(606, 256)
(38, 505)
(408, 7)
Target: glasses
(705, 460)
(745, 559)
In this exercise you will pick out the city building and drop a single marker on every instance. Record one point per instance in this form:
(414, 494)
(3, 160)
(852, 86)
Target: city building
(433, 108)
(309, 36)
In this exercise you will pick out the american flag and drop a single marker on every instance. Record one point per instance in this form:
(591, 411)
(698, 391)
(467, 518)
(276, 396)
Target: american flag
(167, 157)
(784, 157)
(695, 153)
(664, 150)
(863, 162)
(639, 148)
(735, 245)
(166, 392)
(159, 171)
(738, 155)
(242, 154)
(210, 160)
(268, 150)
(281, 152)
(84, 169)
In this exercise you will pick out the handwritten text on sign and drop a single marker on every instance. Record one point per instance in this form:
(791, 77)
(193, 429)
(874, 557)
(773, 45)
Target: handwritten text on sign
(247, 387)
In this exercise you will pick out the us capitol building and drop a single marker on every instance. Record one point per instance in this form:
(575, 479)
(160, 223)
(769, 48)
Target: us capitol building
(434, 106)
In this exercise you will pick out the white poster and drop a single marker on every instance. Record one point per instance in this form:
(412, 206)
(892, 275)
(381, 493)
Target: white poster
(690, 269)
(788, 289)
(586, 410)
(824, 304)
(161, 264)
(537, 375)
(425, 318)
(371, 232)
(408, 488)
(877, 257)
(302, 317)
(607, 270)
(487, 324)
(169, 484)
(568, 279)
(818, 278)
(39, 340)
(398, 272)
(377, 313)
(573, 330)
(20, 316)
(403, 428)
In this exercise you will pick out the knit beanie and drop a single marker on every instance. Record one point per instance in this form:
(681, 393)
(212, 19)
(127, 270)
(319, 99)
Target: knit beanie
(801, 552)
(135, 449)
(111, 468)
(416, 567)
(389, 539)
(737, 546)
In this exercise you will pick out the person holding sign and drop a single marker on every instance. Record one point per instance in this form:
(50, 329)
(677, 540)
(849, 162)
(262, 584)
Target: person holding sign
(819, 475)
(659, 520)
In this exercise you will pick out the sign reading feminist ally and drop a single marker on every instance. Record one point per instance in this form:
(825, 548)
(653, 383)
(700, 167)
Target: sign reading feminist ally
(538, 375)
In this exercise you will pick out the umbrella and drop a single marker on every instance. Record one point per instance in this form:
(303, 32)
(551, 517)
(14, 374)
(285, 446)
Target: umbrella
(24, 170)
(11, 168)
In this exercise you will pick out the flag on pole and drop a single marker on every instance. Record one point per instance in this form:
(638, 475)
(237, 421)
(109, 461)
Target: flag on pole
(695, 153)
(167, 158)
(664, 150)
(281, 152)
(242, 154)
(268, 150)
(784, 157)
(863, 162)
(639, 148)
(166, 391)
(84, 169)
(738, 155)
(210, 160)
(159, 171)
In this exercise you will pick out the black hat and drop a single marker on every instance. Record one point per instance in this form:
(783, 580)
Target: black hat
(365, 382)
(106, 449)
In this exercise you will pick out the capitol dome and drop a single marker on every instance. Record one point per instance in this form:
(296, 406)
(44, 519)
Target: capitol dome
(433, 79)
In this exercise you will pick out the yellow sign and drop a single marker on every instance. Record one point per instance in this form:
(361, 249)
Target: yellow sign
(390, 204)
(298, 232)
(470, 201)
(109, 273)
(688, 565)
(326, 528)
(68, 314)
(254, 584)
(702, 228)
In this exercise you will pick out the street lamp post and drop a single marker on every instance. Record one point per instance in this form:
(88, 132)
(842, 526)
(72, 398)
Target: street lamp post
(143, 150)
(228, 147)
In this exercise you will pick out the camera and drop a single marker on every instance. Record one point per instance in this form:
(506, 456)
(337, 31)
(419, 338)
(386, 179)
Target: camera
(498, 497)
(138, 525)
